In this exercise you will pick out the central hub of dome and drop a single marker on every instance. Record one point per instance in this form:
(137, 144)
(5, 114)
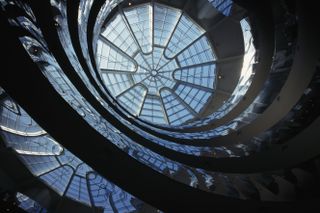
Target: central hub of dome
(157, 63)
(154, 73)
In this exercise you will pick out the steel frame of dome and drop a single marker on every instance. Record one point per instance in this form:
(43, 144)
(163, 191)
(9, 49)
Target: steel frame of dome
(128, 73)
(306, 58)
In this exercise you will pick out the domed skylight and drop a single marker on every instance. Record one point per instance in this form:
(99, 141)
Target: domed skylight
(157, 62)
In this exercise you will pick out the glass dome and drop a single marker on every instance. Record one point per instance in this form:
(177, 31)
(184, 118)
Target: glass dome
(157, 63)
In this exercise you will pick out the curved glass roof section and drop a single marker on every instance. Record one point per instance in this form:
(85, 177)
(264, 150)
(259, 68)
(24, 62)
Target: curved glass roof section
(157, 63)
(59, 169)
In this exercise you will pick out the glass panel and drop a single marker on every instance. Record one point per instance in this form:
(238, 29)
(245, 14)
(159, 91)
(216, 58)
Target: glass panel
(40, 164)
(28, 204)
(199, 52)
(117, 82)
(202, 75)
(58, 179)
(42, 145)
(152, 110)
(185, 33)
(176, 111)
(140, 21)
(165, 20)
(102, 195)
(133, 98)
(118, 33)
(111, 58)
(78, 190)
(224, 6)
(194, 97)
(69, 159)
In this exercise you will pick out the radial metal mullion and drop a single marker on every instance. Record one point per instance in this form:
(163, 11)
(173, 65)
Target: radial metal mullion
(173, 31)
(138, 82)
(89, 188)
(129, 27)
(178, 63)
(164, 111)
(195, 86)
(161, 57)
(106, 41)
(135, 53)
(189, 45)
(142, 104)
(167, 79)
(182, 13)
(194, 113)
(159, 46)
(156, 81)
(115, 71)
(144, 67)
(60, 167)
(55, 157)
(130, 78)
(165, 63)
(70, 180)
(146, 62)
(126, 90)
(196, 65)
(112, 203)
(145, 79)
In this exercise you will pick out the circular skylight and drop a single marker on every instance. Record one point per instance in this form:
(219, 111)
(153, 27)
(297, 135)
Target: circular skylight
(157, 63)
